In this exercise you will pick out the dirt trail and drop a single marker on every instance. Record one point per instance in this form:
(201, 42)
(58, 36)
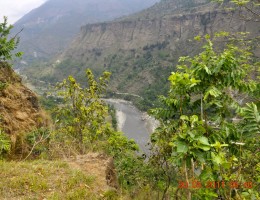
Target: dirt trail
(100, 167)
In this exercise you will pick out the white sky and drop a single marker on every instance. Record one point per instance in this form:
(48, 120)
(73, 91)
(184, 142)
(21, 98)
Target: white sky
(15, 9)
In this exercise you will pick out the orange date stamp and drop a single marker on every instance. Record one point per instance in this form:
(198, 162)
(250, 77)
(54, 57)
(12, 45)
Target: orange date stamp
(195, 184)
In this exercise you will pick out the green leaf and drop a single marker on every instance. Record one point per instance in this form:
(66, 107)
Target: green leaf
(198, 38)
(171, 144)
(201, 129)
(203, 140)
(226, 165)
(191, 134)
(252, 117)
(245, 194)
(207, 175)
(182, 147)
(207, 69)
(204, 147)
(216, 158)
(5, 142)
(199, 155)
(184, 117)
(194, 118)
(212, 91)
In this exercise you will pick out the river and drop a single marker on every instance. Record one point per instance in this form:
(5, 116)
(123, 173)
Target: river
(133, 123)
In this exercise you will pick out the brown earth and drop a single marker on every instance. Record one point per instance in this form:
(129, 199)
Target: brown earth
(20, 111)
(99, 166)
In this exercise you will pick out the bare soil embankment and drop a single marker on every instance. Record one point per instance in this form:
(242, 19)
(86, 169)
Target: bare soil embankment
(20, 111)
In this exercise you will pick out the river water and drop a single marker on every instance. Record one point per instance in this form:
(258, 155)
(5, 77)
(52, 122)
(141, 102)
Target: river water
(133, 123)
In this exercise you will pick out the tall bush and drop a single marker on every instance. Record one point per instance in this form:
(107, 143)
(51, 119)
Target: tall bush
(199, 142)
(7, 44)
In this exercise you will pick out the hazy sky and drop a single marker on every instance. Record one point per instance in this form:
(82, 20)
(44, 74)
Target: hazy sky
(15, 9)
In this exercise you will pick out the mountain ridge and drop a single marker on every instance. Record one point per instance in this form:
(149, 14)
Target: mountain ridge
(49, 28)
(141, 50)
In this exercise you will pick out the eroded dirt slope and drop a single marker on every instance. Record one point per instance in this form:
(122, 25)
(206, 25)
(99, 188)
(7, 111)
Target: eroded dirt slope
(20, 111)
(99, 166)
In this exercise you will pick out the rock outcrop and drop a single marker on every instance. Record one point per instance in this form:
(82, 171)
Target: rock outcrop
(173, 28)
(135, 47)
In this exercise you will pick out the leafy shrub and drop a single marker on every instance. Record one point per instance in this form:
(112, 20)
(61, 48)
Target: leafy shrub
(83, 113)
(197, 138)
(3, 85)
(5, 143)
(112, 112)
(38, 141)
(7, 45)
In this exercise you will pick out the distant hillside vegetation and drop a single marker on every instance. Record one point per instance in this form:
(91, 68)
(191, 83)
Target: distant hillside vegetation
(141, 50)
(49, 28)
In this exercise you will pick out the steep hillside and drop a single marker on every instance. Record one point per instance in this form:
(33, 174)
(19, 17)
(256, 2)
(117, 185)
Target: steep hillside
(167, 7)
(141, 50)
(20, 111)
(49, 28)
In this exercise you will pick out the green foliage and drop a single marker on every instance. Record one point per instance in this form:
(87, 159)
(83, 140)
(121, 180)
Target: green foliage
(7, 45)
(3, 85)
(38, 141)
(82, 126)
(83, 115)
(132, 170)
(250, 113)
(50, 103)
(138, 68)
(5, 143)
(119, 144)
(123, 150)
(112, 113)
(197, 131)
(249, 9)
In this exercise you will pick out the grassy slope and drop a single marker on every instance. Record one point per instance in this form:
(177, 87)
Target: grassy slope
(43, 179)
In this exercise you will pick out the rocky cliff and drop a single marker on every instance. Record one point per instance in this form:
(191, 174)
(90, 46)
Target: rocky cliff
(178, 26)
(141, 50)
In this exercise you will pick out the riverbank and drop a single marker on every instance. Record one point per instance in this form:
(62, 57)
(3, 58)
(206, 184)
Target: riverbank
(134, 123)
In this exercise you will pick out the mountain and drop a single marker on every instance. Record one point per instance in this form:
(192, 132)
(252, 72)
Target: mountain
(142, 49)
(49, 28)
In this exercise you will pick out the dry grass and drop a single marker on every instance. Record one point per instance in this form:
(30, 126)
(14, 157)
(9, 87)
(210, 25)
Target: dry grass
(20, 111)
(43, 179)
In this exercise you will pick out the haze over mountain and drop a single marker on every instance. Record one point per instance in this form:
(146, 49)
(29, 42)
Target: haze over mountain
(49, 28)
(141, 50)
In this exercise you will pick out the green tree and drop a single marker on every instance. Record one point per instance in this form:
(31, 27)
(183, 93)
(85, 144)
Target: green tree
(6, 48)
(83, 114)
(82, 120)
(248, 9)
(198, 140)
(7, 45)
